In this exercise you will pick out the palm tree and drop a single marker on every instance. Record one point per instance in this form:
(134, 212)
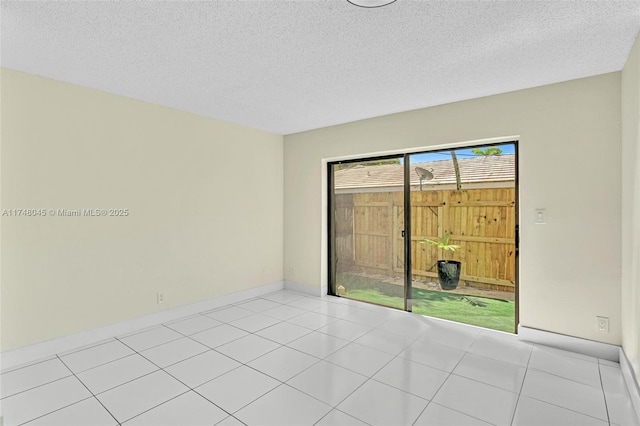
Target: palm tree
(456, 168)
(490, 150)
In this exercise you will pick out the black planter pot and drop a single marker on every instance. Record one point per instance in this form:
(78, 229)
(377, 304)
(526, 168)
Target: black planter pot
(449, 274)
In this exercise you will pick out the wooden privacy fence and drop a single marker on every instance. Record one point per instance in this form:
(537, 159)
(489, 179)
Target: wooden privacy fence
(481, 221)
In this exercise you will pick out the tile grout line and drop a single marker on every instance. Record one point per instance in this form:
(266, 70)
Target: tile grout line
(243, 364)
(35, 387)
(58, 358)
(159, 368)
(315, 363)
(162, 403)
(86, 347)
(58, 409)
(499, 360)
(120, 338)
(276, 387)
(566, 353)
(220, 353)
(567, 409)
(27, 365)
(340, 411)
(128, 381)
(565, 378)
(513, 416)
(449, 374)
(90, 391)
(369, 378)
(281, 383)
(189, 388)
(214, 349)
(550, 403)
(604, 394)
(103, 364)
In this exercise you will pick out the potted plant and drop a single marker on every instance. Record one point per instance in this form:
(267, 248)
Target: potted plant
(448, 270)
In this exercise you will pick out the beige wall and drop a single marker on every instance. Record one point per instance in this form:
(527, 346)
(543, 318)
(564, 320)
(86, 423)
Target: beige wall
(202, 226)
(205, 200)
(570, 159)
(631, 208)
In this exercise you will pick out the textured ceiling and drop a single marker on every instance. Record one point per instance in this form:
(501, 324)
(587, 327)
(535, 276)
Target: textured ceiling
(289, 66)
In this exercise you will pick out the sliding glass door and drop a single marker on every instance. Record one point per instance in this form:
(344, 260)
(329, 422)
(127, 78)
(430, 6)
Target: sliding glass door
(432, 232)
(367, 252)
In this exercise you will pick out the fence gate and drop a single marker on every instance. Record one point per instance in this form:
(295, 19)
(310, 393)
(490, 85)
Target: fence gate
(480, 221)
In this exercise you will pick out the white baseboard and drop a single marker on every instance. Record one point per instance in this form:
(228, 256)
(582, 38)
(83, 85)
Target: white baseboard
(49, 348)
(630, 381)
(570, 343)
(305, 289)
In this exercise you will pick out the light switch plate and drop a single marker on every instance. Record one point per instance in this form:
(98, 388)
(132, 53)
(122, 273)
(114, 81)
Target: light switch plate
(541, 216)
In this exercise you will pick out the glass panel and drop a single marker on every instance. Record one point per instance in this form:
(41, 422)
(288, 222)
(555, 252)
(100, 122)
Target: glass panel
(463, 235)
(368, 224)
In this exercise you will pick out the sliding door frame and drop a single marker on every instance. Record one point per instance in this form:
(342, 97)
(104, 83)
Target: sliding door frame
(407, 219)
(331, 218)
(406, 234)
(331, 213)
(516, 271)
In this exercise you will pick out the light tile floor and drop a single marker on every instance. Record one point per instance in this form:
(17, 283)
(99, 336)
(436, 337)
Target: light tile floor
(290, 359)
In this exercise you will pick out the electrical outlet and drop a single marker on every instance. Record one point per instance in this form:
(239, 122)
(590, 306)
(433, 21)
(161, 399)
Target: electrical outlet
(603, 324)
(160, 297)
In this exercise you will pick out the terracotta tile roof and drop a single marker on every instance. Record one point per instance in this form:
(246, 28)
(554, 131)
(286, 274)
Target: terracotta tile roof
(495, 168)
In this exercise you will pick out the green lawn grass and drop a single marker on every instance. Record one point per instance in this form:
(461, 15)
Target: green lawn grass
(480, 311)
